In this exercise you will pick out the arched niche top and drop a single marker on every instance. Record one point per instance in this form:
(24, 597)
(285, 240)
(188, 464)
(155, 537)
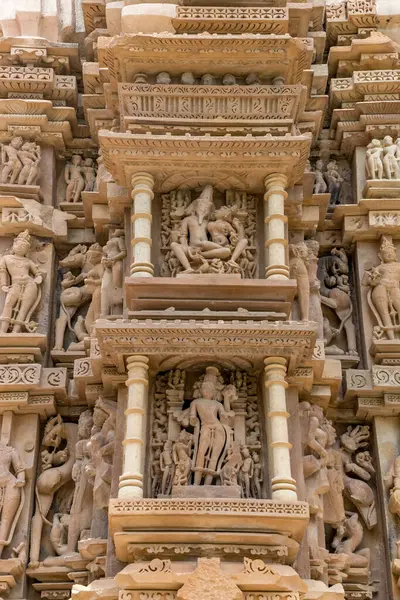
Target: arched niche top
(174, 362)
(193, 180)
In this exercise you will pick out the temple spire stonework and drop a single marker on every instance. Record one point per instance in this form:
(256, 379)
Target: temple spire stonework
(200, 300)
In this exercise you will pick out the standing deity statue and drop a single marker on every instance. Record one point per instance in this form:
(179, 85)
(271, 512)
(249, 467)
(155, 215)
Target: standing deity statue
(320, 186)
(12, 482)
(315, 308)
(82, 503)
(74, 179)
(314, 439)
(101, 451)
(373, 160)
(246, 472)
(20, 279)
(212, 433)
(299, 270)
(390, 164)
(181, 454)
(384, 288)
(167, 468)
(111, 285)
(334, 180)
(392, 481)
(90, 175)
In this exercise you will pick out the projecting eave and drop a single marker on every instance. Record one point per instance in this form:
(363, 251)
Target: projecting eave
(229, 162)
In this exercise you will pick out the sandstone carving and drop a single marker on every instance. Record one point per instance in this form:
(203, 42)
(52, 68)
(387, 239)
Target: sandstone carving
(19, 162)
(111, 284)
(384, 290)
(199, 300)
(333, 273)
(21, 280)
(12, 492)
(56, 470)
(206, 239)
(80, 290)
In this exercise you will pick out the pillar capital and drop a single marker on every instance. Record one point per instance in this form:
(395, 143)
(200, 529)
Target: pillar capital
(277, 181)
(142, 180)
(275, 370)
(137, 360)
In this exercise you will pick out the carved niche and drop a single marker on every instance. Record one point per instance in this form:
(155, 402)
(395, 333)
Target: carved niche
(334, 178)
(382, 160)
(21, 279)
(338, 473)
(383, 296)
(205, 233)
(19, 162)
(338, 311)
(205, 435)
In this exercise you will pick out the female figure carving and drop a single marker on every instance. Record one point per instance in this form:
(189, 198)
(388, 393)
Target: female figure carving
(373, 161)
(390, 164)
(11, 492)
(111, 285)
(74, 179)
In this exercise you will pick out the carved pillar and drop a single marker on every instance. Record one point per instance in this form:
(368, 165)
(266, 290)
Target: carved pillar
(131, 480)
(274, 227)
(142, 195)
(282, 483)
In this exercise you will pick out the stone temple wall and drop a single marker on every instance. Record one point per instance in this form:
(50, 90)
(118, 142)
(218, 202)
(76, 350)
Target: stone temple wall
(200, 300)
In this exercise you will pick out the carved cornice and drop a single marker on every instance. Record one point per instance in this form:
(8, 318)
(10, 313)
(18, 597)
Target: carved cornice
(245, 343)
(240, 515)
(231, 162)
(63, 58)
(348, 17)
(234, 104)
(232, 19)
(272, 56)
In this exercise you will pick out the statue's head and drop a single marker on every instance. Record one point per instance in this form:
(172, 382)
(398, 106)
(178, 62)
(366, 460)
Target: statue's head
(187, 78)
(300, 250)
(76, 159)
(245, 452)
(204, 206)
(85, 424)
(319, 165)
(388, 140)
(53, 432)
(228, 79)
(224, 213)
(16, 142)
(208, 79)
(208, 388)
(95, 254)
(313, 246)
(387, 251)
(163, 78)
(88, 162)
(22, 244)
